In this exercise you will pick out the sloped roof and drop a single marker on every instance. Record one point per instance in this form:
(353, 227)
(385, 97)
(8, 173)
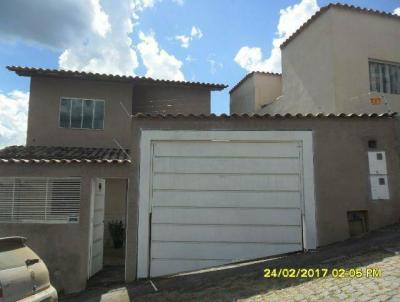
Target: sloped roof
(265, 116)
(336, 5)
(31, 71)
(47, 154)
(251, 74)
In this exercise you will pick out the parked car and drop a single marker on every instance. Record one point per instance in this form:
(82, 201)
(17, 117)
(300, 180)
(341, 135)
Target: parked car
(23, 275)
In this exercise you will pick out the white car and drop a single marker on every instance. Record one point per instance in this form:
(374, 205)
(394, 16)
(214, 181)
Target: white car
(23, 275)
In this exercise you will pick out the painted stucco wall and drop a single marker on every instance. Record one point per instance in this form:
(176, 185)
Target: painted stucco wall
(325, 67)
(63, 247)
(170, 99)
(44, 104)
(255, 91)
(356, 38)
(340, 166)
(307, 71)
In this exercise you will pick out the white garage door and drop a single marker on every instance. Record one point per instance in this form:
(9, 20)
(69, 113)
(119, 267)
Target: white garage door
(216, 202)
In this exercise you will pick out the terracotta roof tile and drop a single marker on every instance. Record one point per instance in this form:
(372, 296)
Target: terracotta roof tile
(46, 154)
(264, 116)
(31, 71)
(336, 5)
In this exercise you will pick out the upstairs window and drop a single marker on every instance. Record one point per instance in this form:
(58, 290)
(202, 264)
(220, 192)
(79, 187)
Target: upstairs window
(384, 77)
(81, 113)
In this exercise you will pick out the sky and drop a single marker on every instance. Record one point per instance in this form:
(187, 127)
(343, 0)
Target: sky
(216, 41)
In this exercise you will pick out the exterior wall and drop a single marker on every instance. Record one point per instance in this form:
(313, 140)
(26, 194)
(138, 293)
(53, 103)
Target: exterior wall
(341, 182)
(44, 104)
(63, 247)
(115, 205)
(242, 99)
(162, 99)
(325, 68)
(358, 37)
(307, 71)
(255, 91)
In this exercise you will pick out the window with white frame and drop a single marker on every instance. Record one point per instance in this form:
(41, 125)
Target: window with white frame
(81, 113)
(384, 77)
(40, 199)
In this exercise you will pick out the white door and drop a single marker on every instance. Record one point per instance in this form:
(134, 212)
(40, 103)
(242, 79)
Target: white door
(97, 226)
(216, 202)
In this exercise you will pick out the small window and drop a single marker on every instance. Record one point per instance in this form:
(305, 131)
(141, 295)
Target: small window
(379, 156)
(384, 77)
(381, 181)
(81, 113)
(372, 144)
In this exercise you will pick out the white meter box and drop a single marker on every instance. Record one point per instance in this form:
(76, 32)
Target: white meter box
(379, 187)
(377, 163)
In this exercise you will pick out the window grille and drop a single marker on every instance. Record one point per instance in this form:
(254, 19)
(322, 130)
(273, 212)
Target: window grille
(40, 200)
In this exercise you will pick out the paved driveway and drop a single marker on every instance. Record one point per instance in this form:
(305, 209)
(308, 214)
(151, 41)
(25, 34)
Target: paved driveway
(378, 252)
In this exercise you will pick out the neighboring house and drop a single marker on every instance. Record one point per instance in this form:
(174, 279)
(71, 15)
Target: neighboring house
(344, 59)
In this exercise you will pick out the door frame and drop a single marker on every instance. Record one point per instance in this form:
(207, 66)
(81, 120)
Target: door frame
(91, 219)
(309, 229)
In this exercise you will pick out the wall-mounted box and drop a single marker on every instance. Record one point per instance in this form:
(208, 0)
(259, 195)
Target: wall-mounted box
(377, 162)
(379, 187)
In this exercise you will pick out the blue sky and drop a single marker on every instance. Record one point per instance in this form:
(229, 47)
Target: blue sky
(224, 41)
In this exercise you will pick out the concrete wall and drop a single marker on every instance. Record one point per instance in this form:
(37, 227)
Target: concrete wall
(325, 68)
(340, 166)
(356, 38)
(44, 104)
(63, 247)
(170, 99)
(256, 90)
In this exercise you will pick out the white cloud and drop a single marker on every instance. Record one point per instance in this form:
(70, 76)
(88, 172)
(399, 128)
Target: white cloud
(214, 64)
(185, 40)
(179, 2)
(291, 18)
(158, 62)
(397, 11)
(195, 33)
(13, 117)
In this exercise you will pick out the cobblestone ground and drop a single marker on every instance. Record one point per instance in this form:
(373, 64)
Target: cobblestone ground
(253, 287)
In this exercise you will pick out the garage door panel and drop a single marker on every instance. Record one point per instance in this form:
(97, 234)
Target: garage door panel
(226, 233)
(226, 165)
(240, 216)
(226, 199)
(218, 250)
(225, 182)
(226, 149)
(162, 267)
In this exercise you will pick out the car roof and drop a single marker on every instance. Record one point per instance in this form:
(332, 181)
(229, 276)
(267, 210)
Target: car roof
(13, 239)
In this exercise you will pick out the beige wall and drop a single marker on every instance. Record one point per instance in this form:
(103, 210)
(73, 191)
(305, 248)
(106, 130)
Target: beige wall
(256, 90)
(325, 68)
(171, 99)
(63, 247)
(340, 167)
(44, 103)
(358, 37)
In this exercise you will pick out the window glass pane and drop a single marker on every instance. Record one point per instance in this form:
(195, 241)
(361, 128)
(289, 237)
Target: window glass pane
(76, 114)
(385, 78)
(394, 79)
(98, 122)
(65, 109)
(88, 106)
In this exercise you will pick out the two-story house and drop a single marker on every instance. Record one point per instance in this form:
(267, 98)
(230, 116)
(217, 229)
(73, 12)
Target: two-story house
(69, 182)
(344, 59)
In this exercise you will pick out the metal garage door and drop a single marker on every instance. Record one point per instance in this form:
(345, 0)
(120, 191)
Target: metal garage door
(215, 202)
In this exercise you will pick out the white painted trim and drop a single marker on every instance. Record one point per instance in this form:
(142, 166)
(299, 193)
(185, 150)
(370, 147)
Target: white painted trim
(148, 136)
